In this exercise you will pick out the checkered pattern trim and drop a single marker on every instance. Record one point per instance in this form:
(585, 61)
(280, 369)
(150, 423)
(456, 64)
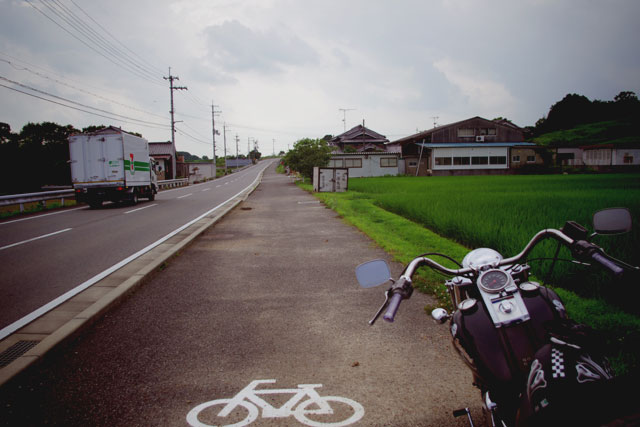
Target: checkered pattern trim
(557, 363)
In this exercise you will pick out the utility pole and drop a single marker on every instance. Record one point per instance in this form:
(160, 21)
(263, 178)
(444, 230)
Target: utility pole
(173, 122)
(224, 130)
(344, 116)
(274, 147)
(237, 152)
(213, 125)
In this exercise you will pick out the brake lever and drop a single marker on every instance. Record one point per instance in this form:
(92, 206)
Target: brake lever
(384, 305)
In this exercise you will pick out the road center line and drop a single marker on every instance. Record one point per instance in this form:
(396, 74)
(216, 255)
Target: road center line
(207, 189)
(186, 195)
(43, 215)
(139, 209)
(35, 238)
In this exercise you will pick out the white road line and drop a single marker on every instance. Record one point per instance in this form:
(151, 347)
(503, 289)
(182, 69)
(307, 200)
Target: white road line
(139, 209)
(35, 238)
(218, 185)
(207, 189)
(8, 330)
(40, 216)
(186, 195)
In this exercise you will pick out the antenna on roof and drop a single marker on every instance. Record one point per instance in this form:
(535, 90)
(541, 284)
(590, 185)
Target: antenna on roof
(344, 116)
(434, 120)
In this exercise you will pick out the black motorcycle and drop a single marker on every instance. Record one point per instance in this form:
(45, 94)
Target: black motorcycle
(532, 364)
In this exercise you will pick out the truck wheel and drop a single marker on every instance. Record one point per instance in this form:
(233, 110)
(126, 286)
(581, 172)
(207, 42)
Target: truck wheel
(134, 197)
(152, 196)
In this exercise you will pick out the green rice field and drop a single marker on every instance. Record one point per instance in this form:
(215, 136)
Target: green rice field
(504, 212)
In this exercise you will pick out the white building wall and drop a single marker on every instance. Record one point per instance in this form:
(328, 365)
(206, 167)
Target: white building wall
(626, 156)
(597, 157)
(370, 165)
(470, 152)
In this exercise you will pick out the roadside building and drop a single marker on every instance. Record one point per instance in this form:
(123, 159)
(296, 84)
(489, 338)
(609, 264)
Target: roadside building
(164, 154)
(468, 147)
(365, 153)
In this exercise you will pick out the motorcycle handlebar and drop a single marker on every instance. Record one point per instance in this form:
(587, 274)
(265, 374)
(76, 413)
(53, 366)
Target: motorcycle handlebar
(392, 309)
(606, 263)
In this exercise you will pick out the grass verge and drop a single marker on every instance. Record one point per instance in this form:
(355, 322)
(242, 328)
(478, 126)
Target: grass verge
(404, 239)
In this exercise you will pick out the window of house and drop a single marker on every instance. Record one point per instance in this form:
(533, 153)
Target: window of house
(497, 160)
(492, 132)
(461, 160)
(443, 161)
(336, 163)
(627, 159)
(531, 159)
(515, 159)
(476, 160)
(352, 163)
(388, 162)
(413, 163)
(466, 132)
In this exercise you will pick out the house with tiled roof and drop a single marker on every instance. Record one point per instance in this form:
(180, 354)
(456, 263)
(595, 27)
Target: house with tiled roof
(364, 152)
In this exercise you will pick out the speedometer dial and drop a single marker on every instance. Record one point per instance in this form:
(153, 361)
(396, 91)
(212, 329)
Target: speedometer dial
(494, 281)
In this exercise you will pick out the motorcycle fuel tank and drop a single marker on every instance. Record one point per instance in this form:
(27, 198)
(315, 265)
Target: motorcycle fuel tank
(500, 356)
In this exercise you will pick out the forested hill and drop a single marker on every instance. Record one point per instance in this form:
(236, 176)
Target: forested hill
(605, 132)
(577, 121)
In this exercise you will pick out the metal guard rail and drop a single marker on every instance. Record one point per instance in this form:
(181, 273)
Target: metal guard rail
(21, 199)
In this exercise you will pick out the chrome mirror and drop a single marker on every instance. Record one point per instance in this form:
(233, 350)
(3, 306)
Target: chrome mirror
(373, 273)
(612, 221)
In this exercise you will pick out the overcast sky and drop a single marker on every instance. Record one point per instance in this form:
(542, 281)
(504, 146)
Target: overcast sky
(282, 69)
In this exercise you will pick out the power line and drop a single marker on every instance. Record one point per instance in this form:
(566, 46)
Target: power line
(88, 31)
(157, 70)
(78, 103)
(121, 64)
(75, 108)
(182, 132)
(20, 68)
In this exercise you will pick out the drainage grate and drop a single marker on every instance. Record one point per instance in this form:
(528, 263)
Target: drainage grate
(15, 351)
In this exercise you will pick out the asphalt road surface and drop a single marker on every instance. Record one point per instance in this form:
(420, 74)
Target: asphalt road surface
(43, 256)
(268, 293)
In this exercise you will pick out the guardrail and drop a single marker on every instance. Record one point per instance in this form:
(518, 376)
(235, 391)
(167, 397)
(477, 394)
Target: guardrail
(42, 197)
(170, 183)
(21, 199)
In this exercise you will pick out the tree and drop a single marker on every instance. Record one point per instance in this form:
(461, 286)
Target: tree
(306, 154)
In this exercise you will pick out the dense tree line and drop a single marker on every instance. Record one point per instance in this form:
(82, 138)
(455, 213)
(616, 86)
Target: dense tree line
(576, 109)
(36, 156)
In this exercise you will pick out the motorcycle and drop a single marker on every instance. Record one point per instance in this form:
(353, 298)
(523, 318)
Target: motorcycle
(532, 364)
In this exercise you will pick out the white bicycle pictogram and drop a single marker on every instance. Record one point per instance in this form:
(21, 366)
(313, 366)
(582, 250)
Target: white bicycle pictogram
(249, 399)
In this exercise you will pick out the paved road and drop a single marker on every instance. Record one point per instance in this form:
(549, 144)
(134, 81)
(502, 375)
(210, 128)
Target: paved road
(268, 293)
(74, 245)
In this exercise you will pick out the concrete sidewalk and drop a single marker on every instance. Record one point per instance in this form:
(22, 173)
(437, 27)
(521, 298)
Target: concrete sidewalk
(269, 292)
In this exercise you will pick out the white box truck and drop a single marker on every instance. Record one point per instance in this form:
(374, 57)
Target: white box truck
(111, 164)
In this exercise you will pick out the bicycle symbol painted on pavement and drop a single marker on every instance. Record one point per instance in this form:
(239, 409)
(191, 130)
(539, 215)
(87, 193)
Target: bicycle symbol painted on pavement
(244, 407)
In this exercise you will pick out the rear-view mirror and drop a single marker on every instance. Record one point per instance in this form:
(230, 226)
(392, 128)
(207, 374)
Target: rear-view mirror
(612, 221)
(373, 273)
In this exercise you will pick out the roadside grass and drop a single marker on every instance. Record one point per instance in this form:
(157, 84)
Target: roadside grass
(404, 239)
(33, 207)
(504, 212)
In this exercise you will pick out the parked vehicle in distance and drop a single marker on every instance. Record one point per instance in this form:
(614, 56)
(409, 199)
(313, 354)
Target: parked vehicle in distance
(111, 165)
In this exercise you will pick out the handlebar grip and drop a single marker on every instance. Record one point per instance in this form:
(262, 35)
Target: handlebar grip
(605, 262)
(394, 304)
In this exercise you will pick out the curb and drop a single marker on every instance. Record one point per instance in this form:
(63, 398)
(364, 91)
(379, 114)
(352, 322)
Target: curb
(112, 291)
